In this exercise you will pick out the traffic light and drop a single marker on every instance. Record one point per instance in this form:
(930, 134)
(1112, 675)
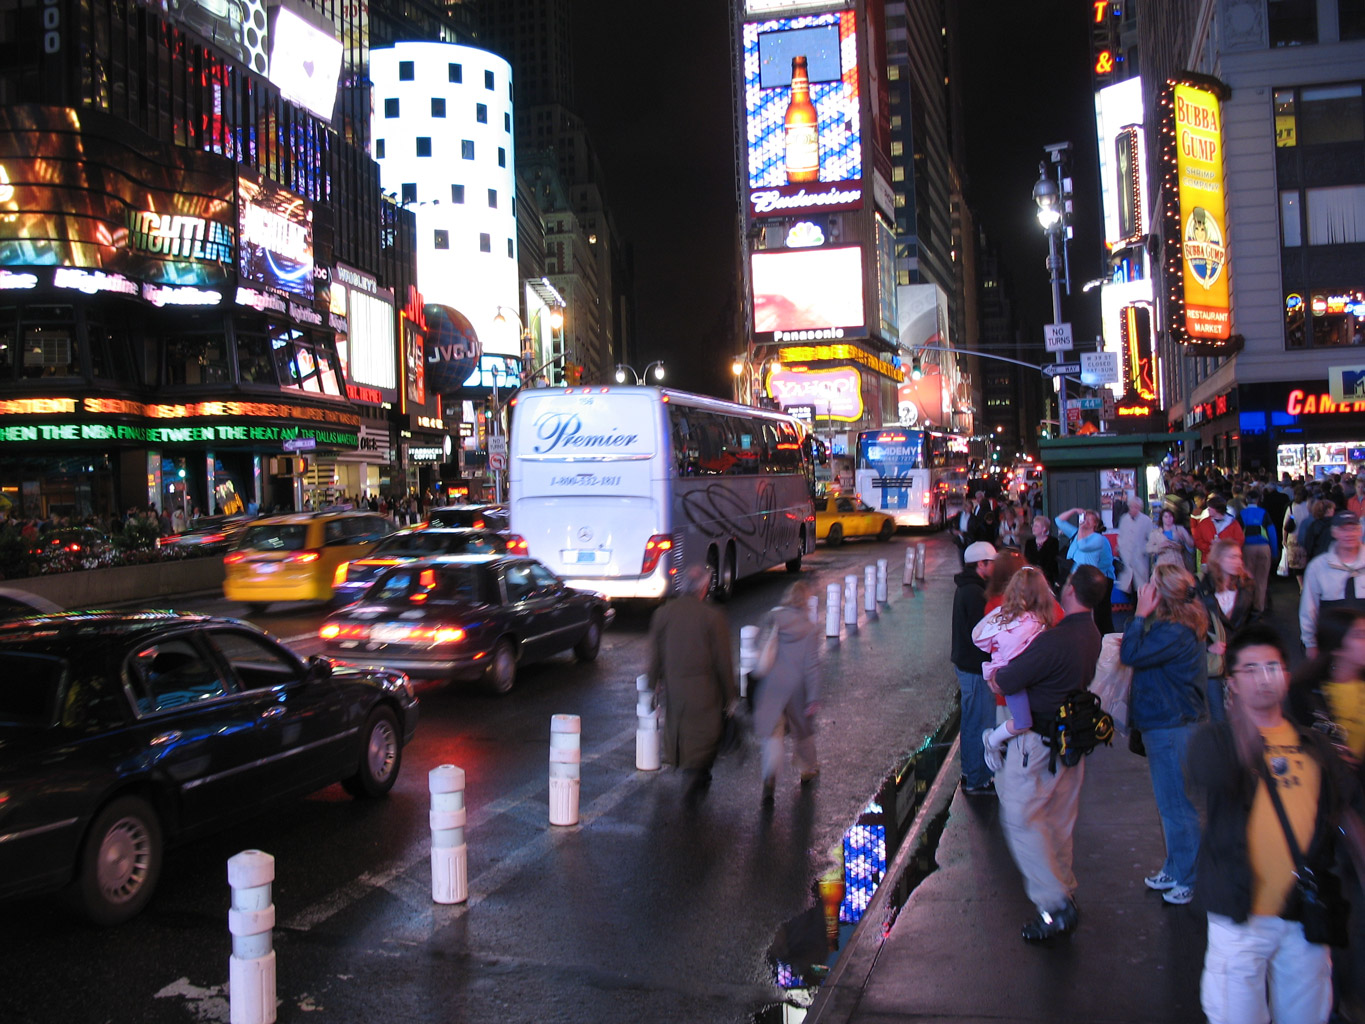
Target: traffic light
(916, 369)
(573, 373)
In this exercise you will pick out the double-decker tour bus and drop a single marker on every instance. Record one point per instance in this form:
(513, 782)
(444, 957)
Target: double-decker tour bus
(918, 477)
(621, 489)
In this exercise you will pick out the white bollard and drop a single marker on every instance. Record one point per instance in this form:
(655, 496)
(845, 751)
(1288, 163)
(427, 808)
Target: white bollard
(851, 601)
(919, 562)
(449, 854)
(813, 607)
(832, 611)
(251, 968)
(647, 736)
(748, 656)
(870, 590)
(881, 581)
(565, 755)
(908, 580)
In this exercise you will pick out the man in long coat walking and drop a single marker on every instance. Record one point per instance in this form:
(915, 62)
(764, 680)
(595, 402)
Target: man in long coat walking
(689, 645)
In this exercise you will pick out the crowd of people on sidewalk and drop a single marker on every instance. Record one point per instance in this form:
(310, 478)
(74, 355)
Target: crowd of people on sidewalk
(1183, 589)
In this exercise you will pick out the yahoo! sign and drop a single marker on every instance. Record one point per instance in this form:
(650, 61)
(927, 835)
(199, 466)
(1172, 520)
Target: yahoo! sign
(834, 394)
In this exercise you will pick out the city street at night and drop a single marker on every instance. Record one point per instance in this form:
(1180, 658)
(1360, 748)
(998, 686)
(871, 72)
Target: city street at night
(642, 911)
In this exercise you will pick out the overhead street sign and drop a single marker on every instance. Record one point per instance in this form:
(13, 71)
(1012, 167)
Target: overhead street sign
(1057, 369)
(1088, 403)
(300, 444)
(1057, 337)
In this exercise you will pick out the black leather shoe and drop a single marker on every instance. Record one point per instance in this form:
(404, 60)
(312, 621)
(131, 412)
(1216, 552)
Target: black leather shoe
(1052, 925)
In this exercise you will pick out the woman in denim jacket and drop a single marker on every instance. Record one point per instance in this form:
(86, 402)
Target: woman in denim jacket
(1164, 645)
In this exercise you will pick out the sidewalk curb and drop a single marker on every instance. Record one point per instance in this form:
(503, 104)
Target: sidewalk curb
(839, 995)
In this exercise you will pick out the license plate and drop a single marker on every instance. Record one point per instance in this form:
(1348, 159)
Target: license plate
(264, 567)
(385, 633)
(571, 557)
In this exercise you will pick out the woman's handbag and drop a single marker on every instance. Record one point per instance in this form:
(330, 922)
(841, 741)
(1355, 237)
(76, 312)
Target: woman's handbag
(1315, 901)
(1112, 681)
(1298, 554)
(1216, 665)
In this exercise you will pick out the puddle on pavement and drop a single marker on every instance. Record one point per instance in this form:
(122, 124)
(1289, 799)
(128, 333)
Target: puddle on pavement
(807, 946)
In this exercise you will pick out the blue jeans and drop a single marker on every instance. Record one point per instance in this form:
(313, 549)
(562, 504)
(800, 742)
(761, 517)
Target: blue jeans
(1179, 819)
(978, 714)
(1217, 700)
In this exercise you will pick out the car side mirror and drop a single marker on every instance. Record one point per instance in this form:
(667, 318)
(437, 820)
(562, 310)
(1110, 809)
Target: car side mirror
(317, 670)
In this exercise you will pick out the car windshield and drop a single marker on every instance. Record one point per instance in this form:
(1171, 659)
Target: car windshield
(463, 583)
(275, 537)
(424, 543)
(29, 688)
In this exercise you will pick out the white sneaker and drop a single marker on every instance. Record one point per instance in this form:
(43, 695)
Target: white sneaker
(1179, 895)
(1160, 882)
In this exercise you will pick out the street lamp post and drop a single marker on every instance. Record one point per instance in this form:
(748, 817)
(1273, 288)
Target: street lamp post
(1051, 198)
(749, 376)
(640, 378)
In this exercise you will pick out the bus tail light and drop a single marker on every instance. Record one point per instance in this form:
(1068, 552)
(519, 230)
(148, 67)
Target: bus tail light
(516, 544)
(654, 550)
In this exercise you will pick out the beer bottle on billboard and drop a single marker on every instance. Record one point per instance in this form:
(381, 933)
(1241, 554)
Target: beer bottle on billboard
(803, 128)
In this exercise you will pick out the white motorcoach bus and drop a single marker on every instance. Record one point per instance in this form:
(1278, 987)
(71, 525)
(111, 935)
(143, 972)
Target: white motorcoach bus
(620, 489)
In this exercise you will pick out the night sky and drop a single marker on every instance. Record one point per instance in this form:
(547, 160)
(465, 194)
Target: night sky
(654, 85)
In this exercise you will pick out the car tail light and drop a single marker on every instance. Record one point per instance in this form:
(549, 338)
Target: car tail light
(478, 524)
(343, 631)
(304, 556)
(339, 577)
(234, 558)
(654, 549)
(516, 544)
(161, 542)
(213, 538)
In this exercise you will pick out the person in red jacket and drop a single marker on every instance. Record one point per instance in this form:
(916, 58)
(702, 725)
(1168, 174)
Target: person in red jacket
(1214, 524)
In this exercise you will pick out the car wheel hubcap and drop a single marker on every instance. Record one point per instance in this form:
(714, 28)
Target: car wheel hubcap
(383, 747)
(123, 859)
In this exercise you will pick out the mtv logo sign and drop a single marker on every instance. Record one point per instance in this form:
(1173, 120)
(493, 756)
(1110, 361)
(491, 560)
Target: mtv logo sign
(1347, 383)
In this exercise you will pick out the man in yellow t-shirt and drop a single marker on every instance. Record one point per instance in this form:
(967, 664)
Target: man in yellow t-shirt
(1244, 854)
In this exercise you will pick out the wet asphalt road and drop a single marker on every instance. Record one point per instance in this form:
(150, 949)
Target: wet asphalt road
(643, 912)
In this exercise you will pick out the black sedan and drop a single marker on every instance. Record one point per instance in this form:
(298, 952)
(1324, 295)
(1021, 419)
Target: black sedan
(467, 617)
(354, 578)
(207, 535)
(122, 731)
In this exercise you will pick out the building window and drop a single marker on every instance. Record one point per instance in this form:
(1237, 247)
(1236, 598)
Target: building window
(441, 238)
(391, 108)
(900, 200)
(1291, 231)
(896, 122)
(438, 107)
(423, 145)
(897, 148)
(488, 80)
(408, 192)
(467, 149)
(902, 277)
(1292, 22)
(457, 193)
(511, 252)
(1336, 216)
(492, 199)
(481, 113)
(1330, 318)
(507, 123)
(455, 72)
(485, 242)
(406, 72)
(379, 149)
(1332, 113)
(1350, 19)
(897, 173)
(893, 73)
(502, 157)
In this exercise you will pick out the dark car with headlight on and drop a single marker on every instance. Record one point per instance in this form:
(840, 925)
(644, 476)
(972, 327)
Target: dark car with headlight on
(466, 617)
(121, 732)
(353, 578)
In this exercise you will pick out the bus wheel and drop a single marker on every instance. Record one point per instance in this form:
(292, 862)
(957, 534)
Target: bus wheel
(722, 576)
(794, 564)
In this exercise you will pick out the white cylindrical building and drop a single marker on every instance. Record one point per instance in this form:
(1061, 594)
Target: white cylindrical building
(442, 136)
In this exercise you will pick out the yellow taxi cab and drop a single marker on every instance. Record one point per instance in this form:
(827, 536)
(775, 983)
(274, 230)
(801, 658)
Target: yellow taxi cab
(841, 516)
(294, 557)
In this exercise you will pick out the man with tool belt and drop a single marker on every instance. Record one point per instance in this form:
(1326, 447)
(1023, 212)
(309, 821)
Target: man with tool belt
(1040, 796)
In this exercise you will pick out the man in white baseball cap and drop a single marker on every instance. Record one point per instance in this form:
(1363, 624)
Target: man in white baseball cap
(978, 702)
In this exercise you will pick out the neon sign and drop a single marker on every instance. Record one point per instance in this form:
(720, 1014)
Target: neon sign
(168, 435)
(1301, 404)
(836, 394)
(193, 410)
(179, 236)
(1104, 63)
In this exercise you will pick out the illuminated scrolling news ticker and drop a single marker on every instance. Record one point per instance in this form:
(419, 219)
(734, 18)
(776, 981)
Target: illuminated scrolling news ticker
(802, 114)
(37, 432)
(76, 192)
(275, 229)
